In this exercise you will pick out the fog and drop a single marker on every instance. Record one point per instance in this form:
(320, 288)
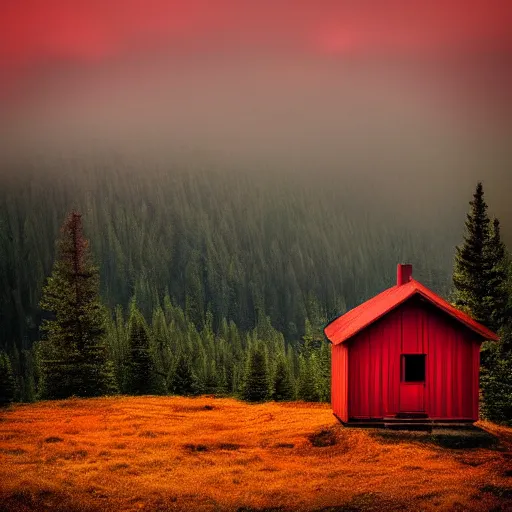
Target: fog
(413, 114)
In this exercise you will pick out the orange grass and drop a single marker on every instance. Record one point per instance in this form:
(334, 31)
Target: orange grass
(173, 453)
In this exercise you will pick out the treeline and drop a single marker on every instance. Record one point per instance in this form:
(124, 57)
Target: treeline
(220, 246)
(231, 242)
(88, 352)
(168, 355)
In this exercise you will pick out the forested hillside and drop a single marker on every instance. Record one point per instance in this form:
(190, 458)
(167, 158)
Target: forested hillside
(290, 246)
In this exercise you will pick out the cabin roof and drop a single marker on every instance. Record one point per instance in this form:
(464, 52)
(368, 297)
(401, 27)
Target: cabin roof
(348, 325)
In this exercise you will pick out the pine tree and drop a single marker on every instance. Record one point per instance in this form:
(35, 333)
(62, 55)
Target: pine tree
(482, 289)
(141, 374)
(496, 275)
(74, 353)
(307, 382)
(324, 373)
(256, 387)
(471, 262)
(28, 392)
(118, 340)
(506, 339)
(162, 342)
(496, 380)
(212, 379)
(307, 346)
(183, 381)
(7, 382)
(222, 382)
(283, 383)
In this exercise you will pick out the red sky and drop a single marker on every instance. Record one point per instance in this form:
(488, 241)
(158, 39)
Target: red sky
(33, 32)
(462, 47)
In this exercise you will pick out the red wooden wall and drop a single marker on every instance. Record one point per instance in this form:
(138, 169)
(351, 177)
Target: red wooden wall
(369, 366)
(339, 381)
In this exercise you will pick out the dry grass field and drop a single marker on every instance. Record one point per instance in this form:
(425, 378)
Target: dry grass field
(166, 453)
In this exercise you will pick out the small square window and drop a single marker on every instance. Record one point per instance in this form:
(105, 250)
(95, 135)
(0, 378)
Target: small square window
(413, 368)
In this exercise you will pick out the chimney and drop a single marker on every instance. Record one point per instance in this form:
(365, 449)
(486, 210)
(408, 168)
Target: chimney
(403, 274)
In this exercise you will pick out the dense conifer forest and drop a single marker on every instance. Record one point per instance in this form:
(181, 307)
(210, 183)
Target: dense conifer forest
(214, 280)
(234, 243)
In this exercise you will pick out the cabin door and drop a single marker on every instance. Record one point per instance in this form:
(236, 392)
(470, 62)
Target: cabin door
(412, 383)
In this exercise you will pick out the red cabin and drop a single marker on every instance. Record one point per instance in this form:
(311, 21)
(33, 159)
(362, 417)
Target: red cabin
(406, 353)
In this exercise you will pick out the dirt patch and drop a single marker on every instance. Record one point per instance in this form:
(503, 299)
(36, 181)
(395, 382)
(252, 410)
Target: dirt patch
(498, 491)
(323, 438)
(118, 466)
(53, 439)
(195, 447)
(229, 446)
(148, 433)
(13, 451)
(193, 408)
(369, 502)
(25, 500)
(75, 455)
(7, 437)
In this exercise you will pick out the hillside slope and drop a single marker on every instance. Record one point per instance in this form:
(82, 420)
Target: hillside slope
(228, 241)
(203, 453)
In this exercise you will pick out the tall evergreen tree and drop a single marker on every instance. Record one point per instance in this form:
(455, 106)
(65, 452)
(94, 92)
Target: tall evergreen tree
(324, 373)
(496, 380)
(141, 373)
(162, 342)
(507, 328)
(471, 261)
(27, 382)
(256, 387)
(183, 381)
(314, 366)
(222, 382)
(74, 353)
(308, 389)
(7, 382)
(496, 371)
(482, 289)
(283, 382)
(496, 276)
(212, 379)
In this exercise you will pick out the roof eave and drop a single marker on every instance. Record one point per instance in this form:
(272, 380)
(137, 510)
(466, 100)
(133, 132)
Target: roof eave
(481, 330)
